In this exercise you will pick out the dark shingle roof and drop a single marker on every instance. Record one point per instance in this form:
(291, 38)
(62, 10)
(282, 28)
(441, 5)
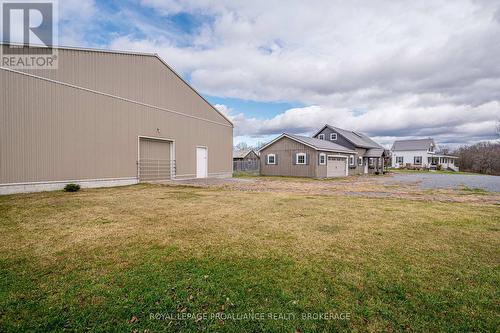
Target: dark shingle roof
(241, 153)
(358, 139)
(420, 144)
(319, 144)
(374, 152)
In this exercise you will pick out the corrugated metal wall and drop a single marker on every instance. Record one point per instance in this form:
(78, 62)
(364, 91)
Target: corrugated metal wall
(155, 160)
(51, 132)
(141, 78)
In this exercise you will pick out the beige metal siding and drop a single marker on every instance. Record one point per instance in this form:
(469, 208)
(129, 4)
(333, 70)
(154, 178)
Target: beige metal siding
(140, 78)
(54, 132)
(286, 149)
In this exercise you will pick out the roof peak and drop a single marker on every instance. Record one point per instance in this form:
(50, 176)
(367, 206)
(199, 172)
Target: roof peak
(78, 48)
(130, 53)
(314, 143)
(427, 139)
(357, 138)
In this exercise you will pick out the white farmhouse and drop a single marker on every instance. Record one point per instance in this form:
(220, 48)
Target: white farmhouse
(420, 153)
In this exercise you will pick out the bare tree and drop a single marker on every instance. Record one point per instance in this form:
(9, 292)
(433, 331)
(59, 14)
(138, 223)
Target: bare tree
(241, 146)
(445, 150)
(259, 145)
(483, 157)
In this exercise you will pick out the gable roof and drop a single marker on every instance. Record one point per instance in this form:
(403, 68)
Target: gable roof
(374, 152)
(242, 153)
(358, 139)
(316, 144)
(155, 55)
(420, 144)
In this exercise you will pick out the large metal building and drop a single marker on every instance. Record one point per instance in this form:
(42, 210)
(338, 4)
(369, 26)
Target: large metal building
(106, 118)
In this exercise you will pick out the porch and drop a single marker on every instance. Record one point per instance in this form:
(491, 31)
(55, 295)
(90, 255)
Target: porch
(442, 162)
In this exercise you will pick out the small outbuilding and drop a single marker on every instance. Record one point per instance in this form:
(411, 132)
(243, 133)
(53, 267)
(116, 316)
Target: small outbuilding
(246, 160)
(301, 156)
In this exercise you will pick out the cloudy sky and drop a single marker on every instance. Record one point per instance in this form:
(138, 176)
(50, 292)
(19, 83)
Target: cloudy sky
(391, 69)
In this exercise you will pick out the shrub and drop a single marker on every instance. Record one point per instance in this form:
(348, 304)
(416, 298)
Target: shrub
(377, 172)
(72, 188)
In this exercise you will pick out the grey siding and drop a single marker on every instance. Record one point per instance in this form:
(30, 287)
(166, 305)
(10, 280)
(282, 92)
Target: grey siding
(340, 139)
(252, 156)
(320, 169)
(353, 170)
(285, 149)
(54, 132)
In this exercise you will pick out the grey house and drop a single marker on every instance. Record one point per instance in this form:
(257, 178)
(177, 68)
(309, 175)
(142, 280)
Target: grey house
(246, 160)
(367, 157)
(302, 156)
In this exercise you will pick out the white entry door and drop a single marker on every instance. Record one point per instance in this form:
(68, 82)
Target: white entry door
(366, 165)
(201, 162)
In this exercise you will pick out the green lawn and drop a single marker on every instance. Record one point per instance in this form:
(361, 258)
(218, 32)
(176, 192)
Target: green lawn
(147, 257)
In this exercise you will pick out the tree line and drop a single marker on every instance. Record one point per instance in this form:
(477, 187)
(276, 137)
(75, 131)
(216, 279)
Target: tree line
(483, 157)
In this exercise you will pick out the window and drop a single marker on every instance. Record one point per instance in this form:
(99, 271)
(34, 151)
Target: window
(300, 158)
(417, 160)
(271, 159)
(322, 159)
(399, 159)
(370, 161)
(360, 160)
(321, 137)
(333, 136)
(351, 159)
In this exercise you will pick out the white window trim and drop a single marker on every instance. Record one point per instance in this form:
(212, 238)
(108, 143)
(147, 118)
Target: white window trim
(360, 160)
(274, 159)
(332, 136)
(399, 157)
(415, 160)
(321, 136)
(351, 160)
(320, 156)
(297, 158)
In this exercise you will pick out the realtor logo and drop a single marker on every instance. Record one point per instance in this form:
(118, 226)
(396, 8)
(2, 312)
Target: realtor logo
(29, 30)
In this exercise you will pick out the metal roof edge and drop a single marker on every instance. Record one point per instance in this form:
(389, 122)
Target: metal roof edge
(73, 48)
(291, 137)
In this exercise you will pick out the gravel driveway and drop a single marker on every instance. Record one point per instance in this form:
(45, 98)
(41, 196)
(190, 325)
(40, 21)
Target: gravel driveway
(436, 180)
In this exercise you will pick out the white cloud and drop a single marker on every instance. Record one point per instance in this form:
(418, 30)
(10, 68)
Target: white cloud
(446, 123)
(391, 69)
(76, 18)
(388, 68)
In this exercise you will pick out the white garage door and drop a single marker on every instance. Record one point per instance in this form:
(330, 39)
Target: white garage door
(335, 167)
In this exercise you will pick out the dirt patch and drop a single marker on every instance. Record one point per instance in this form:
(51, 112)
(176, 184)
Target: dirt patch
(365, 186)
